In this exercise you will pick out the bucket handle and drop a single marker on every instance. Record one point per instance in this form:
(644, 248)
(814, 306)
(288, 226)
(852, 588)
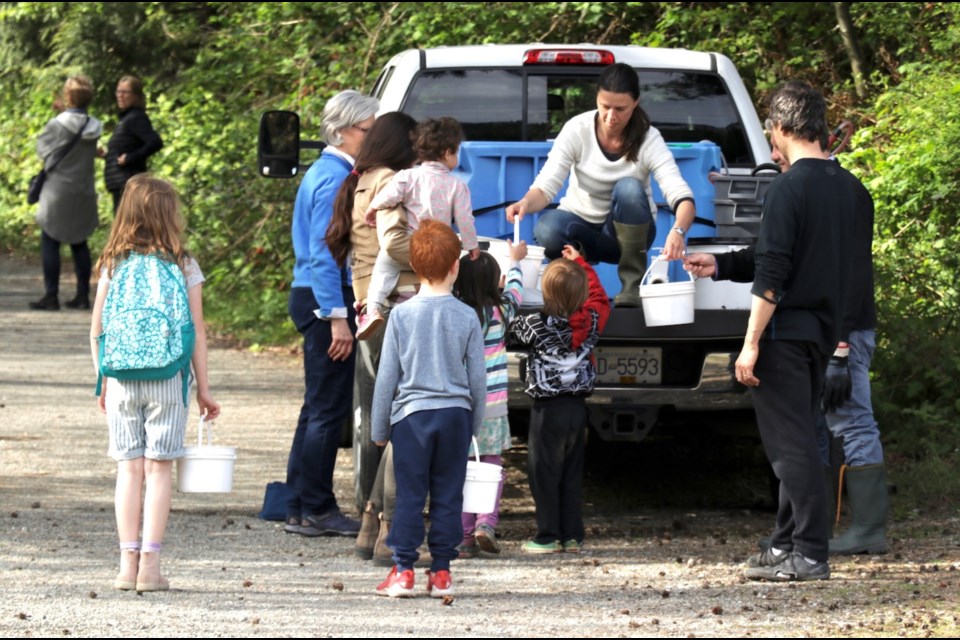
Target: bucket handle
(476, 448)
(655, 261)
(209, 430)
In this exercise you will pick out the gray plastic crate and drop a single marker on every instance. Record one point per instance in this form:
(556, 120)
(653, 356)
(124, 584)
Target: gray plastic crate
(740, 188)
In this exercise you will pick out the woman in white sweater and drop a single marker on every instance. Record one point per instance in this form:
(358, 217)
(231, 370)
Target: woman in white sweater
(609, 156)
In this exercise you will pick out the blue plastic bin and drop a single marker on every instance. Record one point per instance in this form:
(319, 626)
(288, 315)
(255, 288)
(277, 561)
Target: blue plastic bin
(501, 172)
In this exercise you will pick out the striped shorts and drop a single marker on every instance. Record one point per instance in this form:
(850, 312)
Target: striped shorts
(146, 418)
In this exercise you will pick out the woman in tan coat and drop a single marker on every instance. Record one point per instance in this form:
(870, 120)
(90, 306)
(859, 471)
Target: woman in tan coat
(387, 148)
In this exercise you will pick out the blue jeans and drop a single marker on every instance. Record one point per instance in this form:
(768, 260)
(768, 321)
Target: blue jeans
(429, 456)
(629, 204)
(854, 422)
(327, 403)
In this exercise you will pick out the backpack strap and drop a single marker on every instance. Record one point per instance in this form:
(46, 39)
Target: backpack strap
(181, 283)
(185, 377)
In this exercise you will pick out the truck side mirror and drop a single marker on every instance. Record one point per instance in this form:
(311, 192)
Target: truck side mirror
(278, 144)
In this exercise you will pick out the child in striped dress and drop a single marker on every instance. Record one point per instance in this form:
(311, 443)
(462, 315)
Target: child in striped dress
(478, 285)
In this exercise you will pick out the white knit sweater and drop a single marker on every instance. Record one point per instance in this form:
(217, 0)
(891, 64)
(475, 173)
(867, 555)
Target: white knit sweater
(577, 154)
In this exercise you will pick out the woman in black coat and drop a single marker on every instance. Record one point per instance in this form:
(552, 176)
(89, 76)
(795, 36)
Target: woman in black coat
(132, 142)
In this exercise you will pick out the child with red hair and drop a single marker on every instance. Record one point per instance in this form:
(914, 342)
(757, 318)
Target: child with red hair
(429, 401)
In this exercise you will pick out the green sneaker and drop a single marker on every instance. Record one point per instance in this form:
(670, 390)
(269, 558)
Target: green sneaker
(572, 546)
(532, 546)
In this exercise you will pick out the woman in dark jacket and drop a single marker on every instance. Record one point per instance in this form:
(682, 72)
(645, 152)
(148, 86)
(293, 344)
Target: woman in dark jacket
(132, 142)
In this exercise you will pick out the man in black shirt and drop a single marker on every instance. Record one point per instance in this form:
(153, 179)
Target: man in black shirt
(801, 275)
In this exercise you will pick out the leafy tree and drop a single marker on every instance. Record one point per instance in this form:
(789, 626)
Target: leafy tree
(211, 68)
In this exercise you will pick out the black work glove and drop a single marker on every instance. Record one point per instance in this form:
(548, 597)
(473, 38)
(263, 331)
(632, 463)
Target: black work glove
(837, 386)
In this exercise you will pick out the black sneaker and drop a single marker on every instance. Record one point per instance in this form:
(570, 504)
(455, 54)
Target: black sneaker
(293, 525)
(789, 567)
(764, 565)
(332, 523)
(46, 303)
(79, 302)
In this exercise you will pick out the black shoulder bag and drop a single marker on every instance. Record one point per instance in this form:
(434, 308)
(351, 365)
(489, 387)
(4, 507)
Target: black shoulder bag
(36, 182)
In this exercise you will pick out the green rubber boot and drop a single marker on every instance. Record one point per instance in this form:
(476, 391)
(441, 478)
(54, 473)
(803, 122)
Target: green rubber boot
(869, 502)
(633, 262)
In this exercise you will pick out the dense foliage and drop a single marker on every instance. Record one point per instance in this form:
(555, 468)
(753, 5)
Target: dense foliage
(211, 68)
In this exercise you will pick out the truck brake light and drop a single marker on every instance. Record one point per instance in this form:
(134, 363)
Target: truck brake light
(568, 56)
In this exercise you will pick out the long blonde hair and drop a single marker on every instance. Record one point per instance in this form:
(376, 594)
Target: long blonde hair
(148, 221)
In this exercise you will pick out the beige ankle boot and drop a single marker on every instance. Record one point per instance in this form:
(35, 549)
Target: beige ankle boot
(127, 578)
(382, 554)
(148, 575)
(369, 531)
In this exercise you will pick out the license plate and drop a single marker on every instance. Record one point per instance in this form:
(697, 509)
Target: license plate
(629, 365)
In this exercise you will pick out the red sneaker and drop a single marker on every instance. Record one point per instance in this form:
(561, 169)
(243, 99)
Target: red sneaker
(439, 584)
(397, 585)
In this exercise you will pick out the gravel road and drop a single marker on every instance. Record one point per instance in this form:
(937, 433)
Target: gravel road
(665, 571)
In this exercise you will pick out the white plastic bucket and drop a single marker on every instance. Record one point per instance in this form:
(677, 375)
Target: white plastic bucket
(667, 303)
(720, 294)
(206, 468)
(529, 266)
(481, 485)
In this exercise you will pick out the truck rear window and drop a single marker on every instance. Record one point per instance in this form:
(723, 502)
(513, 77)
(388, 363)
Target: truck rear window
(518, 105)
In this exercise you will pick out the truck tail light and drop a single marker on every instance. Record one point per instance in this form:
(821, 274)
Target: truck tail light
(568, 56)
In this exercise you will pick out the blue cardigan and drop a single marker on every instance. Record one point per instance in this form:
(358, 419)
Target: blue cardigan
(314, 266)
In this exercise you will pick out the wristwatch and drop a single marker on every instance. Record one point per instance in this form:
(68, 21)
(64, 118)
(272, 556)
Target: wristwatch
(680, 231)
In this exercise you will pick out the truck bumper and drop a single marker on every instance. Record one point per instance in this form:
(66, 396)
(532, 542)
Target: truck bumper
(717, 389)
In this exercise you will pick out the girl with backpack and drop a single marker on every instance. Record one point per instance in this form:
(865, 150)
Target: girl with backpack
(145, 261)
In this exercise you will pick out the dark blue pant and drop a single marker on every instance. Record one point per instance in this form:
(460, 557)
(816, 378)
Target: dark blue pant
(327, 403)
(787, 404)
(598, 242)
(429, 456)
(555, 453)
(50, 254)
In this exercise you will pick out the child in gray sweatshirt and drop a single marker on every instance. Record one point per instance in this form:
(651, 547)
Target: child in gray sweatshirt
(429, 401)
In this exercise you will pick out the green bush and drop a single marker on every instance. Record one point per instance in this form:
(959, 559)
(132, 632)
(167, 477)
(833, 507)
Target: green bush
(910, 160)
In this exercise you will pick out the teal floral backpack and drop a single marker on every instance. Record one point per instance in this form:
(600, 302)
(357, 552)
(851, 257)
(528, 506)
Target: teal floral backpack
(148, 331)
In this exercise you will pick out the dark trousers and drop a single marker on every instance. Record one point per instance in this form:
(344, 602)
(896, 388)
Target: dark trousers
(555, 452)
(429, 456)
(327, 403)
(787, 406)
(117, 195)
(50, 254)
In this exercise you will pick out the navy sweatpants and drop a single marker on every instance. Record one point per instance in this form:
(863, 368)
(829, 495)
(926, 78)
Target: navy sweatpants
(429, 456)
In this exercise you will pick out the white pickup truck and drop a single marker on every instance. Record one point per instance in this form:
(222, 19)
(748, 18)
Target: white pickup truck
(512, 100)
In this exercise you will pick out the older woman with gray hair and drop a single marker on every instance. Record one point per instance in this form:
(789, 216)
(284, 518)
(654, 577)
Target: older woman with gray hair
(321, 306)
(67, 211)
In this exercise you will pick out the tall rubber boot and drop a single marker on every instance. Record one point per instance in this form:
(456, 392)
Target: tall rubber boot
(633, 262)
(869, 503)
